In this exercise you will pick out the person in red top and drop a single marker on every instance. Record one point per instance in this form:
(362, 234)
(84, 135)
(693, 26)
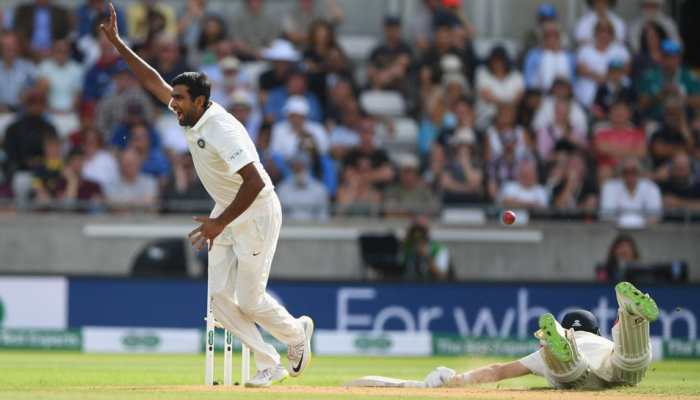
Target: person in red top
(617, 139)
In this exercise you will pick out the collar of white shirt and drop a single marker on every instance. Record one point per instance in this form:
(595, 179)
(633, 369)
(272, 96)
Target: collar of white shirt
(211, 111)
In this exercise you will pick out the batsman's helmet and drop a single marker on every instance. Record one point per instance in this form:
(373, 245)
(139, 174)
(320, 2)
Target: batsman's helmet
(581, 320)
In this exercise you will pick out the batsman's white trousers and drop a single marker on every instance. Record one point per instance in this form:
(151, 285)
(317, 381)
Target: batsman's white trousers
(239, 268)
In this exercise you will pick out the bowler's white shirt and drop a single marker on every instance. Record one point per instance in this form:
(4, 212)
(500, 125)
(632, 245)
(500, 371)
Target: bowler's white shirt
(594, 349)
(615, 199)
(220, 147)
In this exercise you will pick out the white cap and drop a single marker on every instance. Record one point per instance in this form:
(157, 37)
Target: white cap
(407, 160)
(242, 97)
(296, 105)
(228, 63)
(281, 50)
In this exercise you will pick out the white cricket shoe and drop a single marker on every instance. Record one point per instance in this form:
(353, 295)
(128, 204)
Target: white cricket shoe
(299, 354)
(266, 377)
(439, 377)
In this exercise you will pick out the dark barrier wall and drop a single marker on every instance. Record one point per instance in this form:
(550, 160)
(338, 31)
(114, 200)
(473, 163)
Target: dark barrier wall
(468, 309)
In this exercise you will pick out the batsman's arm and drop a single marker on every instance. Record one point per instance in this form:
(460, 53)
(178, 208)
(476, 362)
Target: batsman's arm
(491, 373)
(149, 78)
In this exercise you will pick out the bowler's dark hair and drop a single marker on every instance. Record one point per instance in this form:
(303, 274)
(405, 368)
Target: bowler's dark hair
(197, 84)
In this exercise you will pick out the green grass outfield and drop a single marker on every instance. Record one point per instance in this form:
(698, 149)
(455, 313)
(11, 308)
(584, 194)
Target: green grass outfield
(62, 375)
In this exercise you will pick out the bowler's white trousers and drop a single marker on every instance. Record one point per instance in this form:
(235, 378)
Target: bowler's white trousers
(239, 268)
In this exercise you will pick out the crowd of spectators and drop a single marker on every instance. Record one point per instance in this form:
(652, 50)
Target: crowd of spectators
(601, 118)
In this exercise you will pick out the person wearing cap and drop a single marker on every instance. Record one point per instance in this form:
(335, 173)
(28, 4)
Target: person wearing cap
(549, 60)
(593, 60)
(631, 198)
(497, 82)
(289, 133)
(225, 77)
(410, 195)
(242, 104)
(254, 29)
(584, 32)
(545, 13)
(617, 86)
(296, 86)
(671, 78)
(283, 58)
(389, 61)
(651, 11)
(462, 180)
(303, 197)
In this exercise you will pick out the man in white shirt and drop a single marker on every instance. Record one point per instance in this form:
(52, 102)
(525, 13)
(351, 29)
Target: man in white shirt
(526, 192)
(290, 136)
(598, 9)
(573, 354)
(242, 230)
(303, 197)
(631, 199)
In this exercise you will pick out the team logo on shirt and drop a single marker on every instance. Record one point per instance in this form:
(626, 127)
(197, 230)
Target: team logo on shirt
(201, 143)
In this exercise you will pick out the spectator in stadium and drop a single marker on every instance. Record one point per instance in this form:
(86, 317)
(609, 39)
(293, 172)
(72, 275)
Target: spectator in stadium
(504, 168)
(526, 192)
(410, 195)
(461, 182)
(99, 165)
(421, 25)
(298, 20)
(505, 125)
(24, 138)
(254, 30)
(380, 171)
(594, 58)
(671, 137)
(168, 60)
(213, 32)
(288, 135)
(38, 24)
(296, 86)
(389, 62)
(622, 252)
(339, 95)
(357, 195)
(126, 100)
(529, 104)
(346, 135)
(422, 257)
(650, 54)
(184, 192)
(149, 18)
(617, 86)
(498, 82)
(283, 58)
(99, 77)
(242, 105)
(91, 12)
(133, 189)
(225, 75)
(651, 12)
(561, 90)
(16, 73)
(671, 78)
(572, 185)
(64, 78)
(303, 198)
(631, 199)
(545, 17)
(324, 59)
(682, 188)
(155, 162)
(584, 31)
(616, 139)
(463, 113)
(48, 172)
(274, 163)
(549, 60)
(190, 23)
(437, 57)
(560, 129)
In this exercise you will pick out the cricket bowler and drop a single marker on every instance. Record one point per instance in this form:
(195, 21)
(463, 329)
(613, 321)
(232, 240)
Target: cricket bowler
(242, 230)
(573, 354)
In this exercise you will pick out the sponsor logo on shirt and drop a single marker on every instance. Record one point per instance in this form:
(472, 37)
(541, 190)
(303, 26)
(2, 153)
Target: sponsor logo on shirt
(235, 154)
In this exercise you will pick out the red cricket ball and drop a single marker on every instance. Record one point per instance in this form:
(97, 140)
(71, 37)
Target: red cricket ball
(508, 217)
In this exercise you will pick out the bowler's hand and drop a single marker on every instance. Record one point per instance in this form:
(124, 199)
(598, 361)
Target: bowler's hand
(110, 28)
(205, 233)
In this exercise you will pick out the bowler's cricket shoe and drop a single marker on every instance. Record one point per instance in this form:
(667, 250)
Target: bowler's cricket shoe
(266, 377)
(439, 377)
(553, 336)
(299, 354)
(635, 302)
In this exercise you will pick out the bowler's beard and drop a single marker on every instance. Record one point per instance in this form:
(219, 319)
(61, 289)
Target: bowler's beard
(188, 119)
